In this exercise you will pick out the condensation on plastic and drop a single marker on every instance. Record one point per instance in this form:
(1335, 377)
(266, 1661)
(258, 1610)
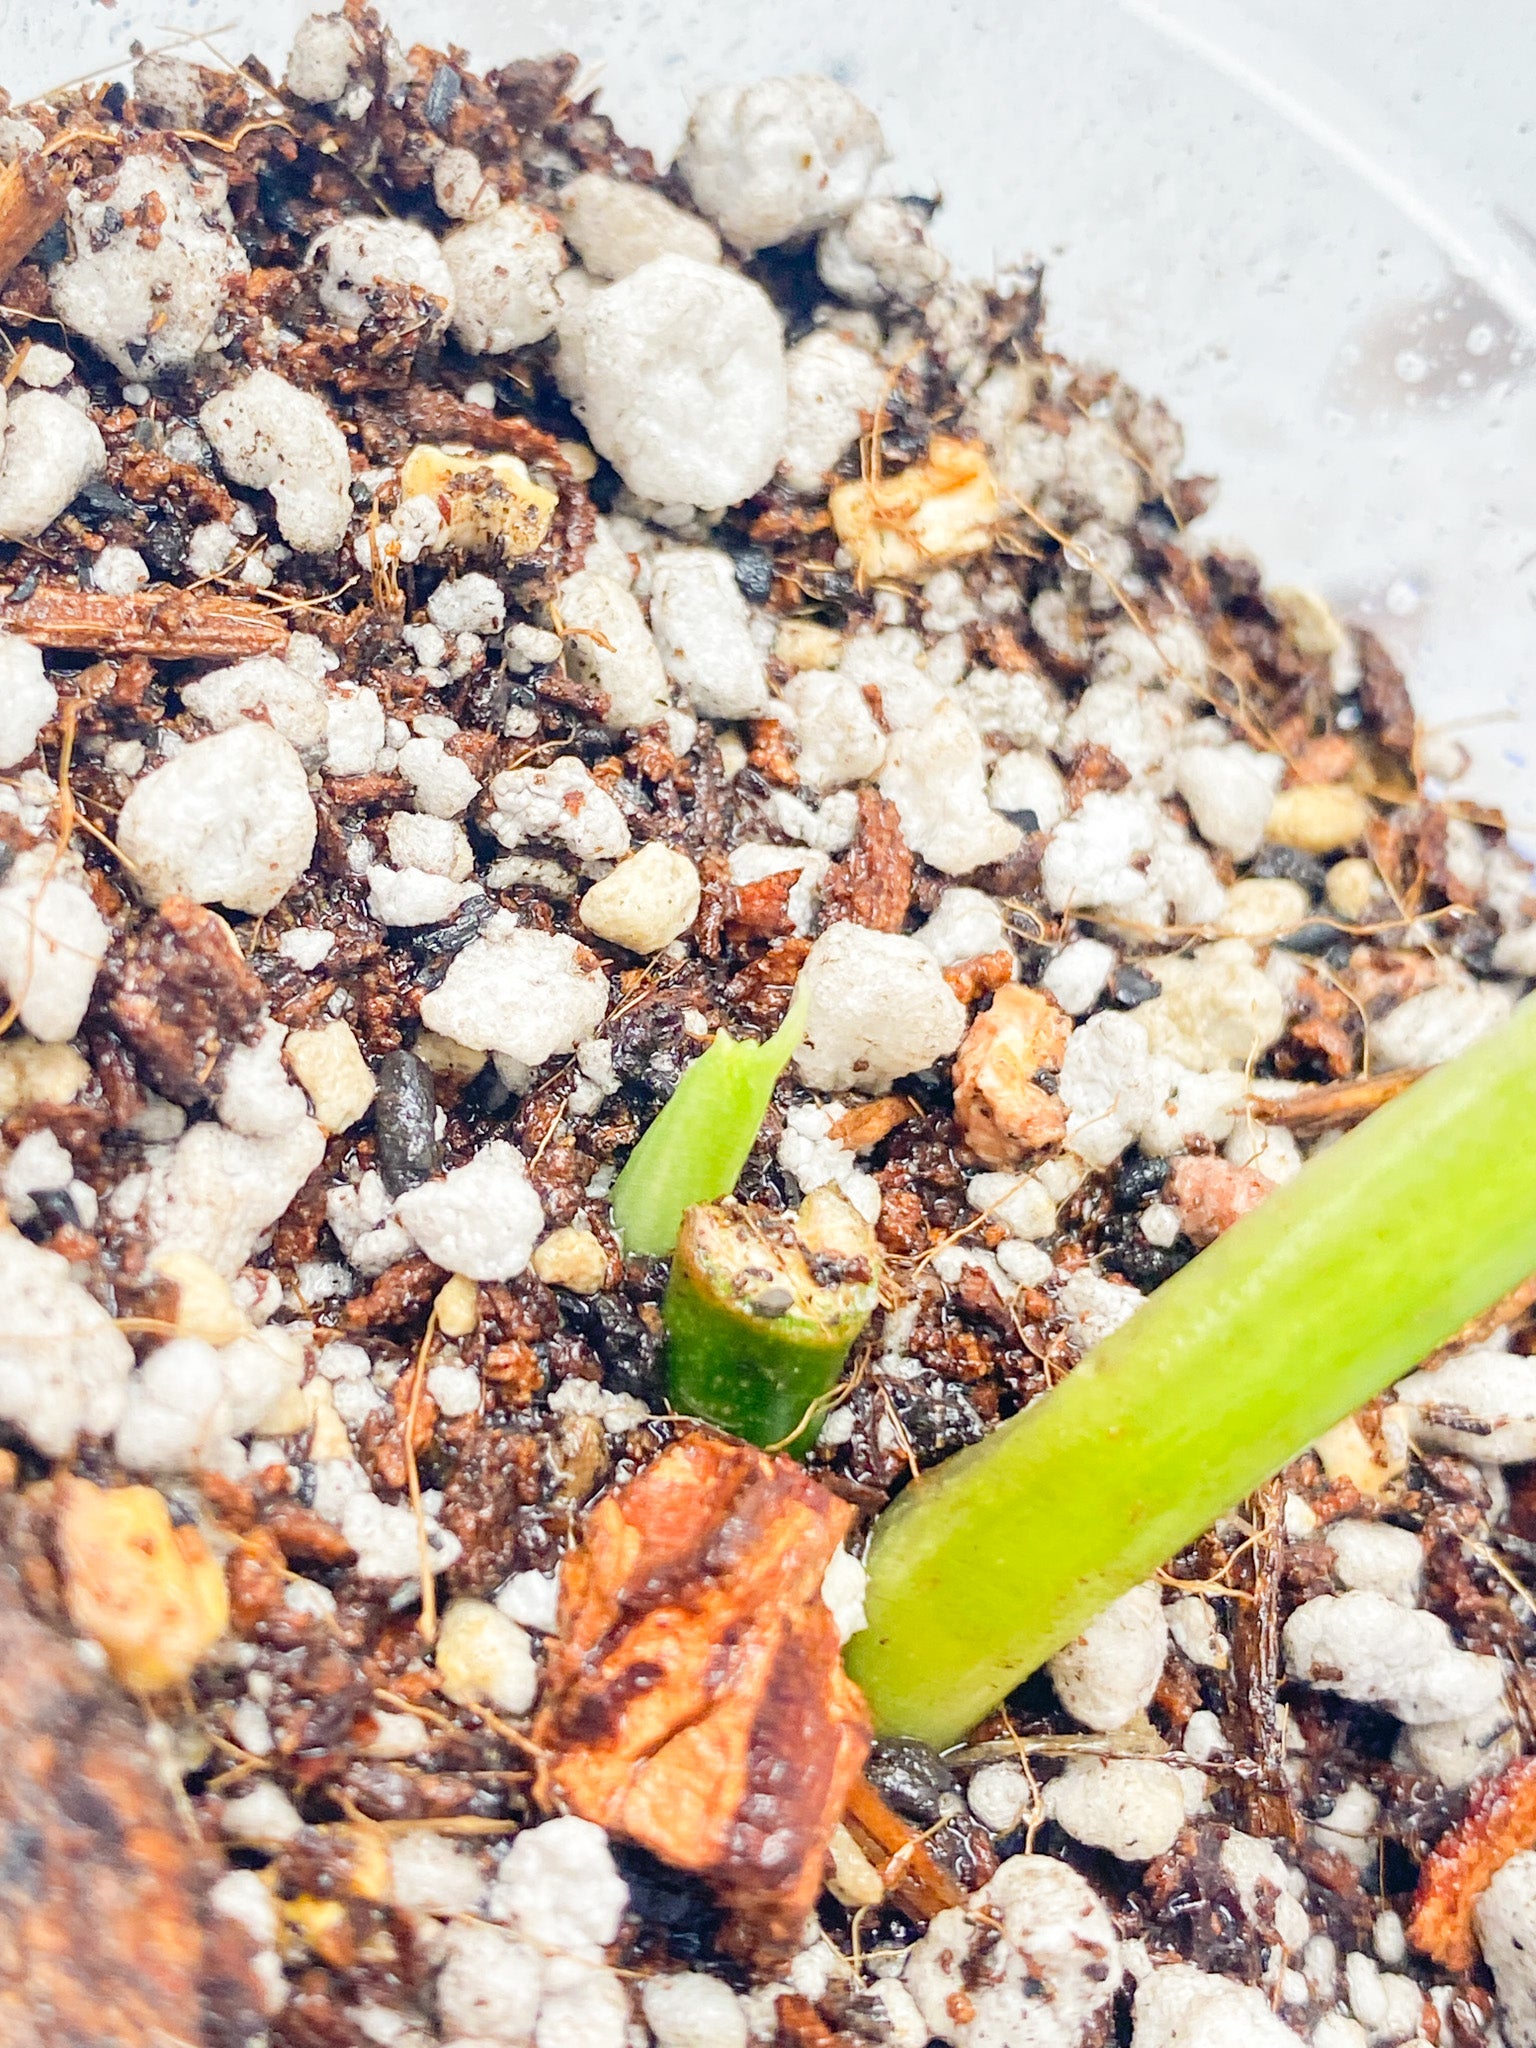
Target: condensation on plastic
(1310, 229)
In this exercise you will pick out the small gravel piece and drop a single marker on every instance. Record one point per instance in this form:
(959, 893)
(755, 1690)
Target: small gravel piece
(648, 900)
(484, 1658)
(329, 1065)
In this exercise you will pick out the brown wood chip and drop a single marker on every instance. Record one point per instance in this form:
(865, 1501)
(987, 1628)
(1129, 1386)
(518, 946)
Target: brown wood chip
(868, 1122)
(31, 199)
(176, 625)
(1334, 1105)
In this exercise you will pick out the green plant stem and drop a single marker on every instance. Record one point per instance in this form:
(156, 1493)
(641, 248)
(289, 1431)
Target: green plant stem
(696, 1147)
(1383, 1246)
(761, 1310)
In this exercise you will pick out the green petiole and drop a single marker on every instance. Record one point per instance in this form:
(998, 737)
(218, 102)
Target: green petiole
(1382, 1247)
(695, 1149)
(761, 1310)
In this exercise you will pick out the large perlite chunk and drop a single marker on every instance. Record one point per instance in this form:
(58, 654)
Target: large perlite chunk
(227, 820)
(677, 373)
(778, 160)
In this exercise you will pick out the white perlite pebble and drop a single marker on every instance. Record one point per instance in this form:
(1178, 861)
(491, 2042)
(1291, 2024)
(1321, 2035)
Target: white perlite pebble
(119, 572)
(843, 1587)
(1217, 1009)
(833, 386)
(839, 741)
(265, 1816)
(461, 186)
(1133, 1809)
(410, 896)
(256, 1097)
(360, 253)
(1371, 1649)
(217, 1192)
(999, 1795)
(1107, 1084)
(936, 775)
(187, 1398)
(325, 52)
(879, 1007)
(966, 923)
(272, 436)
(27, 699)
(293, 704)
(1110, 1672)
(209, 549)
(386, 1540)
(1043, 1979)
(1017, 1201)
(488, 1988)
(701, 625)
(150, 308)
(880, 251)
(1481, 1405)
(609, 644)
(484, 1659)
(519, 992)
(559, 1888)
(1456, 1752)
(52, 941)
(482, 1219)
(1095, 1306)
(1439, 1023)
(532, 1598)
(503, 269)
(430, 1874)
(227, 820)
(648, 901)
(63, 1361)
(615, 225)
(1027, 781)
(1505, 1916)
(436, 845)
(559, 805)
(1077, 974)
(1373, 1557)
(51, 450)
(1182, 2007)
(776, 161)
(444, 787)
(677, 373)
(690, 2010)
(44, 367)
(1230, 791)
(467, 604)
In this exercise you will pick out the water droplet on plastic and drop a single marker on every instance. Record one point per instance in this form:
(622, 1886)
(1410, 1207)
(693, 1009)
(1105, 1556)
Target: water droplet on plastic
(1411, 366)
(1402, 597)
(1479, 339)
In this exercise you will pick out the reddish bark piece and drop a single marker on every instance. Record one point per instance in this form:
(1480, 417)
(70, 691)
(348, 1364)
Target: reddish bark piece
(695, 1700)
